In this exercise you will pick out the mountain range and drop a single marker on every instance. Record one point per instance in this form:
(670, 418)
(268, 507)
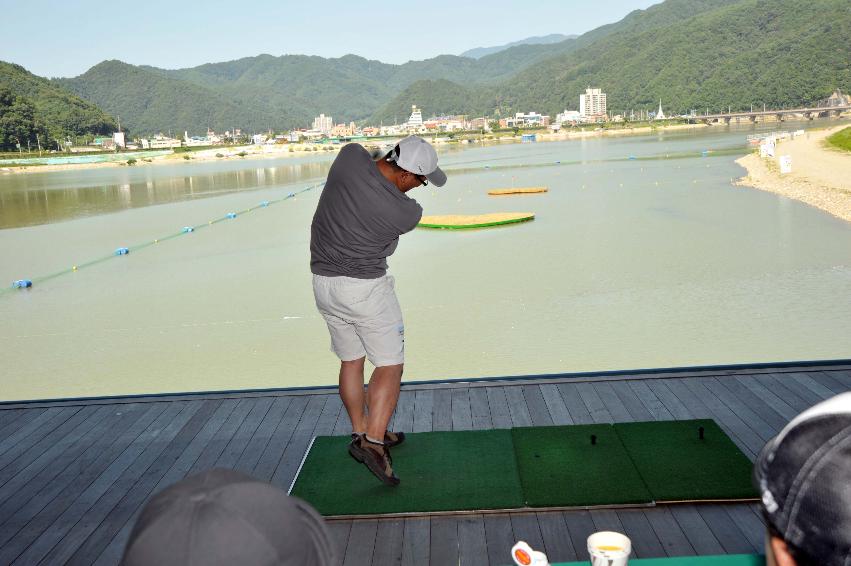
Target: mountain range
(693, 54)
(479, 52)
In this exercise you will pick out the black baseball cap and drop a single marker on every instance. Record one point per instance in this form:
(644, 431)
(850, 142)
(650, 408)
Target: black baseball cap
(804, 478)
(222, 517)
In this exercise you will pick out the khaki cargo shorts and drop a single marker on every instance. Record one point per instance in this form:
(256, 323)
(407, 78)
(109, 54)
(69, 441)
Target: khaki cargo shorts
(363, 317)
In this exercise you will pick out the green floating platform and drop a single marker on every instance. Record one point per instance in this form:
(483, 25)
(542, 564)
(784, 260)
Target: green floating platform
(463, 222)
(532, 467)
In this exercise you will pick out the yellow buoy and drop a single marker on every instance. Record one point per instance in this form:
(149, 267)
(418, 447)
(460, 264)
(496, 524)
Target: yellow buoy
(74, 268)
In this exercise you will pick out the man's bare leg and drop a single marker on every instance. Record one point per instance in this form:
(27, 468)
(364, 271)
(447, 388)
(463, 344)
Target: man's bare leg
(381, 397)
(351, 392)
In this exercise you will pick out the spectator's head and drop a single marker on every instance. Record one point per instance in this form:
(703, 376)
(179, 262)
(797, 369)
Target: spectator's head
(223, 517)
(804, 477)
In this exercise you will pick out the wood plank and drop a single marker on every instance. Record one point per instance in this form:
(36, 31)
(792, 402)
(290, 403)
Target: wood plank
(725, 530)
(790, 381)
(672, 402)
(104, 492)
(444, 540)
(441, 416)
(813, 385)
(71, 438)
(329, 416)
(361, 545)
(843, 376)
(580, 525)
(607, 520)
(88, 539)
(500, 414)
(644, 541)
(595, 405)
(525, 527)
(472, 545)
(575, 405)
(651, 402)
(636, 410)
(34, 431)
(735, 405)
(768, 397)
(23, 449)
(698, 533)
(237, 443)
(58, 490)
(500, 538)
(260, 439)
(517, 407)
(751, 527)
(668, 531)
(302, 435)
(416, 542)
(423, 405)
(555, 405)
(781, 390)
(557, 544)
(462, 416)
(539, 412)
(271, 457)
(111, 554)
(388, 542)
(339, 531)
(12, 419)
(480, 409)
(745, 396)
(827, 379)
(403, 419)
(613, 404)
(210, 455)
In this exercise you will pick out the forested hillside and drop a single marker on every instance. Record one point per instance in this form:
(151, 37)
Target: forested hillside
(31, 106)
(773, 52)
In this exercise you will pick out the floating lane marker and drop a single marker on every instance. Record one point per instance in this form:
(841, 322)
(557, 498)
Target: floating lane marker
(122, 251)
(518, 190)
(22, 284)
(461, 221)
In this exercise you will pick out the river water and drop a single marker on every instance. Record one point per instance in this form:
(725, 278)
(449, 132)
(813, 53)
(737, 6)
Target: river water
(642, 254)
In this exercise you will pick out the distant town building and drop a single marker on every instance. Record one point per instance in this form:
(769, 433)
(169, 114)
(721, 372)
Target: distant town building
(837, 99)
(592, 104)
(323, 123)
(118, 139)
(415, 121)
(160, 141)
(660, 115)
(343, 131)
(568, 117)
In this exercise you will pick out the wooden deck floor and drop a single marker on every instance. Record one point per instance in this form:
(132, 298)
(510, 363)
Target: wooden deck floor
(74, 474)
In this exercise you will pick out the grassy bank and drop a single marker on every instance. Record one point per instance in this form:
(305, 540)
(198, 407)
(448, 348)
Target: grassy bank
(841, 139)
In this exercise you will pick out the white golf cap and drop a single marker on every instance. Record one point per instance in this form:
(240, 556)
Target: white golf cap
(419, 157)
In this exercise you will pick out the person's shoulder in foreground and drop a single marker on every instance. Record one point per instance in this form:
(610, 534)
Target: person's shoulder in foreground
(804, 479)
(222, 517)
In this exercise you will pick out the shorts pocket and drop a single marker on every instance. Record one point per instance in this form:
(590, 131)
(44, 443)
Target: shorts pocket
(350, 294)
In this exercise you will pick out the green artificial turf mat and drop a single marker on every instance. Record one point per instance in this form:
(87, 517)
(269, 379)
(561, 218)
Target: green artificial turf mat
(559, 466)
(440, 471)
(678, 466)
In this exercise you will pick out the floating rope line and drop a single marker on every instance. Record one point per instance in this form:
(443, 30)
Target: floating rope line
(125, 250)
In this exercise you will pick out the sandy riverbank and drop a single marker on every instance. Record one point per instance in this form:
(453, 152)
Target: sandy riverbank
(820, 177)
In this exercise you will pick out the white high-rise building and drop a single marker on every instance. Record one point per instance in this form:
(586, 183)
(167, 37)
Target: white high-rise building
(323, 123)
(592, 103)
(416, 119)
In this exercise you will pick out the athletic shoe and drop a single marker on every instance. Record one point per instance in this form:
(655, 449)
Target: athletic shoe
(391, 438)
(376, 457)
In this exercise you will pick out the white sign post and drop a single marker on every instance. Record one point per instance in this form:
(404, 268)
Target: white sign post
(785, 164)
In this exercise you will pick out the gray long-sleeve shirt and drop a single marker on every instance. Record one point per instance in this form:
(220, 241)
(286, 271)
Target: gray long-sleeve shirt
(359, 218)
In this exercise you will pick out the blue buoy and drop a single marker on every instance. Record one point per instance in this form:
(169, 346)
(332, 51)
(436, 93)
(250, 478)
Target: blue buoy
(264, 204)
(231, 215)
(122, 251)
(291, 195)
(487, 166)
(631, 157)
(704, 153)
(557, 162)
(22, 284)
(187, 229)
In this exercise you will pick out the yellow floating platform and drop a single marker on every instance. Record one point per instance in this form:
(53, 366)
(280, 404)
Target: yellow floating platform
(461, 221)
(518, 190)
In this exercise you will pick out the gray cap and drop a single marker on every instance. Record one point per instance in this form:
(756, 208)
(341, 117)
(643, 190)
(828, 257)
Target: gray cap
(804, 478)
(223, 517)
(418, 156)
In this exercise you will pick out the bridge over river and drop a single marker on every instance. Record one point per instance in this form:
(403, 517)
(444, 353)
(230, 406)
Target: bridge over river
(808, 113)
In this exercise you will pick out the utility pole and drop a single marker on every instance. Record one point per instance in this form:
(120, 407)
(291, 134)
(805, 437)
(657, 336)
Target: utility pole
(39, 144)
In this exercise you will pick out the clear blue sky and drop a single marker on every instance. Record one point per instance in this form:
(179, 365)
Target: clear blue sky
(64, 38)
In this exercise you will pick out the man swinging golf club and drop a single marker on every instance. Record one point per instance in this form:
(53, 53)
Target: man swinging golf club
(362, 212)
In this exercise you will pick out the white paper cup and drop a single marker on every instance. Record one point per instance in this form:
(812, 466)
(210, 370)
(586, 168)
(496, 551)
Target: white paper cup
(608, 548)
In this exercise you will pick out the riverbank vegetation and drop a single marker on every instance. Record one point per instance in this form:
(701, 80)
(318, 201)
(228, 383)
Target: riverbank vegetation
(841, 139)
